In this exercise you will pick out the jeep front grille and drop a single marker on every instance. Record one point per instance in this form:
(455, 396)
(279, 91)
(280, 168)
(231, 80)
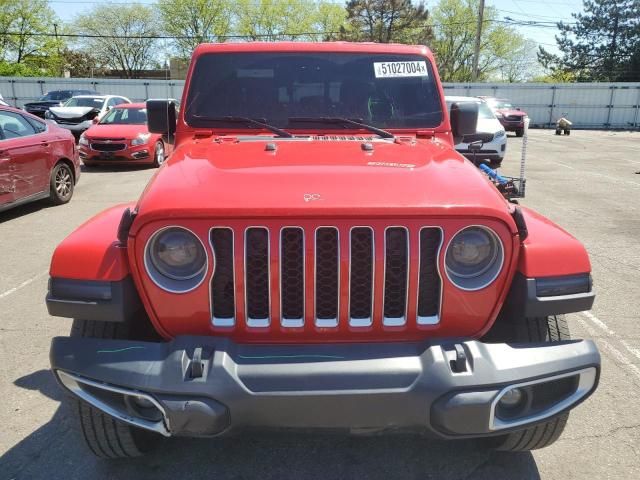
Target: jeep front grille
(324, 275)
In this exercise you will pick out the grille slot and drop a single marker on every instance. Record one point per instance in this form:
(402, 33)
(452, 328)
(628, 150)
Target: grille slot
(327, 273)
(361, 261)
(257, 276)
(292, 276)
(429, 285)
(396, 275)
(223, 298)
(108, 147)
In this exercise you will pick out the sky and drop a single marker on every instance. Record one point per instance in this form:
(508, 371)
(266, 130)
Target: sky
(528, 10)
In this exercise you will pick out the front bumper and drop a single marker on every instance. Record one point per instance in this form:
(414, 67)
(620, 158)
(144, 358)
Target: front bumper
(131, 154)
(204, 386)
(75, 128)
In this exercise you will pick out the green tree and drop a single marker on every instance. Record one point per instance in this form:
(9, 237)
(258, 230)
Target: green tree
(386, 21)
(271, 20)
(454, 26)
(121, 37)
(25, 26)
(199, 20)
(601, 45)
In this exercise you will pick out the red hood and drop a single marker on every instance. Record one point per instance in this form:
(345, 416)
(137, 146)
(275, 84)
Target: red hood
(512, 112)
(115, 131)
(206, 178)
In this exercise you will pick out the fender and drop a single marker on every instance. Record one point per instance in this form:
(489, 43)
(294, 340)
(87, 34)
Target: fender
(550, 251)
(92, 251)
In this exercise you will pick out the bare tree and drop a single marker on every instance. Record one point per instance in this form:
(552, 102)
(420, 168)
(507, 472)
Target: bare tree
(122, 37)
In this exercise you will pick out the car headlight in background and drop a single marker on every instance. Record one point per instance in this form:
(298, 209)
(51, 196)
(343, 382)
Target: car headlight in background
(48, 115)
(499, 134)
(474, 258)
(176, 259)
(141, 139)
(83, 141)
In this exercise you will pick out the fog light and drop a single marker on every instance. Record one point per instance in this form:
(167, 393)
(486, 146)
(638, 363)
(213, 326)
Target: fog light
(143, 402)
(511, 398)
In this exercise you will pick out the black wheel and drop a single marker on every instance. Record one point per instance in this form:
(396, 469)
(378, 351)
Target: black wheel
(61, 184)
(519, 132)
(105, 436)
(537, 329)
(567, 132)
(558, 131)
(495, 163)
(158, 154)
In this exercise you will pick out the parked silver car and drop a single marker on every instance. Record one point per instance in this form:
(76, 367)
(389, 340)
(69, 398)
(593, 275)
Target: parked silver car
(495, 150)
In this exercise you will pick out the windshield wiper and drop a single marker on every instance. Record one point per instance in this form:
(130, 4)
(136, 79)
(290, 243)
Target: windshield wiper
(249, 121)
(344, 121)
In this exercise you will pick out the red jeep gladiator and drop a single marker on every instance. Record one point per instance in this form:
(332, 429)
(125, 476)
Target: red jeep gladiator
(316, 255)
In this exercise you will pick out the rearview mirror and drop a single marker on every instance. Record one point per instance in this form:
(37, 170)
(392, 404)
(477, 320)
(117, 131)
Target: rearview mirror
(161, 117)
(464, 118)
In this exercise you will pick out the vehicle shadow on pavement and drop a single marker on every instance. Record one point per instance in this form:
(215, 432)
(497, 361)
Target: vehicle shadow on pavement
(112, 168)
(24, 210)
(55, 450)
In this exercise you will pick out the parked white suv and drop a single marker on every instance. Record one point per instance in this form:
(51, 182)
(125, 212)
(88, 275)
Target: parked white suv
(495, 150)
(78, 113)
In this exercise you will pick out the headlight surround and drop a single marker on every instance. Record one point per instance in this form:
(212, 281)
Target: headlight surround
(474, 258)
(141, 139)
(176, 259)
(83, 141)
(499, 134)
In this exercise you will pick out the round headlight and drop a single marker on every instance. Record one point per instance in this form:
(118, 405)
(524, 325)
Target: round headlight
(177, 254)
(176, 259)
(474, 258)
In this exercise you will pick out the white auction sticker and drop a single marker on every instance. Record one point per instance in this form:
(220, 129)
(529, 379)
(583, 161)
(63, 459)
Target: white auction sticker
(400, 69)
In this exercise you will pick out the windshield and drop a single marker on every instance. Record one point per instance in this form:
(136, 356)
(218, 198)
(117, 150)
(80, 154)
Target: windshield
(125, 116)
(56, 96)
(383, 90)
(500, 104)
(93, 102)
(484, 112)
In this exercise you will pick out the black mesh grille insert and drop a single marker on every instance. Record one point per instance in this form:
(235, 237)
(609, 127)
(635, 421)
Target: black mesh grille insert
(429, 280)
(292, 272)
(396, 270)
(257, 273)
(361, 279)
(327, 273)
(222, 286)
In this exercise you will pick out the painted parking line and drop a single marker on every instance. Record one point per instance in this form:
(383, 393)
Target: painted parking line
(23, 284)
(617, 354)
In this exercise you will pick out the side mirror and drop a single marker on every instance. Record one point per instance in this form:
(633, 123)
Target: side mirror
(161, 117)
(464, 118)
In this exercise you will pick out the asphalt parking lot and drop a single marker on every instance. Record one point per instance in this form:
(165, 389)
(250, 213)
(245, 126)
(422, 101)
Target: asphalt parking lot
(587, 183)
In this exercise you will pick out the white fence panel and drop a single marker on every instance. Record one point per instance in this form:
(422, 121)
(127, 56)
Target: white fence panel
(587, 105)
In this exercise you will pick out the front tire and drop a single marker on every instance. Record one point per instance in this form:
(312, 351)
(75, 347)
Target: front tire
(61, 184)
(105, 436)
(519, 132)
(550, 329)
(158, 154)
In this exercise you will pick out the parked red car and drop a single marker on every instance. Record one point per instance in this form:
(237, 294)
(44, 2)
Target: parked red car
(37, 160)
(316, 255)
(511, 118)
(122, 137)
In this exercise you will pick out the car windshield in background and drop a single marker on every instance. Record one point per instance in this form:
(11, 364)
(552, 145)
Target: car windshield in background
(500, 104)
(85, 102)
(383, 90)
(125, 116)
(484, 111)
(55, 96)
